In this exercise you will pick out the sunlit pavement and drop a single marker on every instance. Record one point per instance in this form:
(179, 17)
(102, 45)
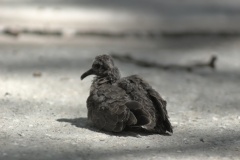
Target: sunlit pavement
(43, 102)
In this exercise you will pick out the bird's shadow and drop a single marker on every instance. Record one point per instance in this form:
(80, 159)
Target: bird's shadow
(83, 122)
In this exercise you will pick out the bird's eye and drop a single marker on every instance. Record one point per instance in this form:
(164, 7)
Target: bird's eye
(97, 66)
(104, 67)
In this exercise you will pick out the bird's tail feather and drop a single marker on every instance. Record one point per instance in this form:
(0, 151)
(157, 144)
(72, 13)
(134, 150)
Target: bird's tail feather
(164, 127)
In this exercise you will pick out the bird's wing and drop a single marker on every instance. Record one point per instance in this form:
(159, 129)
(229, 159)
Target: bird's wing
(159, 103)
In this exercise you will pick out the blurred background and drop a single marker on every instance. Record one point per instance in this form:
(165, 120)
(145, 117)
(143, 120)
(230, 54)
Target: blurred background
(135, 16)
(187, 50)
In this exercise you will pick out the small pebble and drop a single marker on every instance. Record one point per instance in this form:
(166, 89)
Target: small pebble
(7, 94)
(20, 134)
(37, 74)
(185, 141)
(48, 135)
(26, 117)
(16, 120)
(215, 118)
(175, 123)
(201, 139)
(223, 127)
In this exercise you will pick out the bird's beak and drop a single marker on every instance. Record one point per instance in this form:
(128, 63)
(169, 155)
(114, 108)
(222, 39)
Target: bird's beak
(89, 72)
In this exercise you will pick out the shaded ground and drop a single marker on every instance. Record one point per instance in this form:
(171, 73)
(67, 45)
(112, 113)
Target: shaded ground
(43, 101)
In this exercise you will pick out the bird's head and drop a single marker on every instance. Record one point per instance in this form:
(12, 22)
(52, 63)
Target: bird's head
(102, 66)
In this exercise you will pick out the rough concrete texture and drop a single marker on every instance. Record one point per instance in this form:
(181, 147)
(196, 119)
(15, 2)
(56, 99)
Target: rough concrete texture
(43, 102)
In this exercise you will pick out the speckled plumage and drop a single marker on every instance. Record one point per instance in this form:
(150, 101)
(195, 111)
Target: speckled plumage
(117, 103)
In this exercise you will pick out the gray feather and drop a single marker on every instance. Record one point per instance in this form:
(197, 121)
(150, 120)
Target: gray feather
(115, 102)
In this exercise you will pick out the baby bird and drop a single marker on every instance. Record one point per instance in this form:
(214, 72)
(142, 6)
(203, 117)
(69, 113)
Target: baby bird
(116, 103)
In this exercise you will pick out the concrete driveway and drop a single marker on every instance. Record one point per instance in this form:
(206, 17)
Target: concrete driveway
(43, 102)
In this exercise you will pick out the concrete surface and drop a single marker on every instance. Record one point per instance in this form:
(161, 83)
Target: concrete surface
(43, 102)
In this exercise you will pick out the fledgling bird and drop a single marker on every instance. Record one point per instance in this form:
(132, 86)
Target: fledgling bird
(116, 103)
